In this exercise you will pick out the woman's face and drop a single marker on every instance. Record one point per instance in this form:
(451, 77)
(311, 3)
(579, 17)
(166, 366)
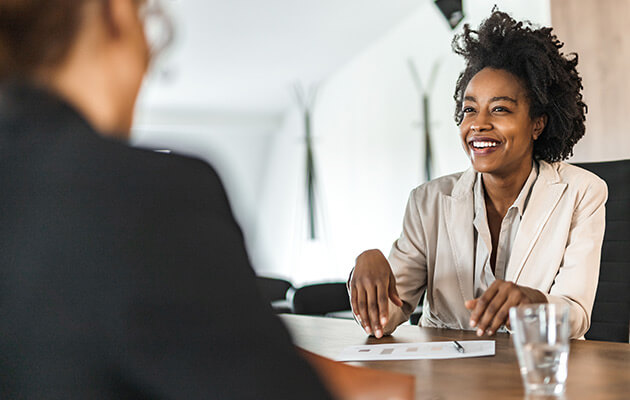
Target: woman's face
(497, 132)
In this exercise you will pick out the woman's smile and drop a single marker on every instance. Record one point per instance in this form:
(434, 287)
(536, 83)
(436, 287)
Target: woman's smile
(484, 145)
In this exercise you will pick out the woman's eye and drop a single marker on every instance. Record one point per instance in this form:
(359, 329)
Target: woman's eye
(467, 110)
(500, 109)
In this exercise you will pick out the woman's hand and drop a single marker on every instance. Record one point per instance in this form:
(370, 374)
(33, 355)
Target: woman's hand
(491, 310)
(372, 284)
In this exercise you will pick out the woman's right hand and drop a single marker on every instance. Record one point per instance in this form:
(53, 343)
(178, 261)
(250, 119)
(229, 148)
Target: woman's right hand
(372, 284)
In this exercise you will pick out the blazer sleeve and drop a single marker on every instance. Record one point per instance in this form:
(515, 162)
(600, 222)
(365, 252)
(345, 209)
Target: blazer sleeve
(195, 325)
(407, 259)
(576, 282)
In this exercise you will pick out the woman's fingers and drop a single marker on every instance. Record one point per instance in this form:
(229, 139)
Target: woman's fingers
(383, 304)
(481, 304)
(362, 310)
(354, 303)
(372, 307)
(501, 317)
(492, 308)
(370, 304)
(372, 283)
(489, 315)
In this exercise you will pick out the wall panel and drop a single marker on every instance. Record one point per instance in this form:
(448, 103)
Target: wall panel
(598, 31)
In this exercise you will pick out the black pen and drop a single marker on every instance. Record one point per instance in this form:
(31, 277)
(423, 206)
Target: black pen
(458, 346)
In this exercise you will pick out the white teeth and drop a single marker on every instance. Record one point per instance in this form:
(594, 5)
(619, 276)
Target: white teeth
(481, 145)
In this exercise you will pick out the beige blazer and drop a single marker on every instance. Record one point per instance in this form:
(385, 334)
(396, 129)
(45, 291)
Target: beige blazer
(556, 250)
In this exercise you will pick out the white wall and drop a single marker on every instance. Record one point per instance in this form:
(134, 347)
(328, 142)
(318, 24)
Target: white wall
(536, 11)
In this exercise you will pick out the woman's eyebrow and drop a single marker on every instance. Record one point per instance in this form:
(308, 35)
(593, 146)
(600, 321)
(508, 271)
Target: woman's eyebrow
(496, 98)
(505, 98)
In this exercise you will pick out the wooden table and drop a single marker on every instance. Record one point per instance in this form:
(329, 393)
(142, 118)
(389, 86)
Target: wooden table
(597, 370)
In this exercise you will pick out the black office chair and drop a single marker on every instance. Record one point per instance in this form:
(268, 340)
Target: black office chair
(274, 290)
(321, 299)
(611, 312)
(414, 318)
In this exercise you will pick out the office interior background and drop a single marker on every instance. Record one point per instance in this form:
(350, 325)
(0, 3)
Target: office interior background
(227, 89)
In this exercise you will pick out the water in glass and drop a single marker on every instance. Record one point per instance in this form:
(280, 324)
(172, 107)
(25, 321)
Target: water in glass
(544, 368)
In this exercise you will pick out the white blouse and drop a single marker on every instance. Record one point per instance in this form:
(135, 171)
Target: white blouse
(483, 276)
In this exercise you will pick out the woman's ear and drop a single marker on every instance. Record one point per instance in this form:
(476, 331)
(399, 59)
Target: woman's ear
(539, 125)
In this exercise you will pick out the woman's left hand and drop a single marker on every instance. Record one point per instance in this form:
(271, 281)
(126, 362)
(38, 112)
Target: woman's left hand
(491, 310)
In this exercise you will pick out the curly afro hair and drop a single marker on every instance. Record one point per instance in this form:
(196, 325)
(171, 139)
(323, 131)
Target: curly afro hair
(550, 78)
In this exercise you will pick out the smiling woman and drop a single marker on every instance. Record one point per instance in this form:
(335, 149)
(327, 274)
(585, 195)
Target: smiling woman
(520, 226)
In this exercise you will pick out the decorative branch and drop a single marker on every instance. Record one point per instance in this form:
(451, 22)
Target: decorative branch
(307, 103)
(426, 112)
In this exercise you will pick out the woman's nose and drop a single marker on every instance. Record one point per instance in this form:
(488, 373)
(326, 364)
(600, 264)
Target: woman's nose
(481, 123)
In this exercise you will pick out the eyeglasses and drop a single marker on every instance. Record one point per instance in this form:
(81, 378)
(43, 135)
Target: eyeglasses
(158, 27)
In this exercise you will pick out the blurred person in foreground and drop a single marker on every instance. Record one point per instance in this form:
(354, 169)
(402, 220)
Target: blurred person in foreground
(123, 272)
(520, 226)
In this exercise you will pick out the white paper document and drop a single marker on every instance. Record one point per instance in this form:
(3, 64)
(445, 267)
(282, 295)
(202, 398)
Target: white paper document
(417, 351)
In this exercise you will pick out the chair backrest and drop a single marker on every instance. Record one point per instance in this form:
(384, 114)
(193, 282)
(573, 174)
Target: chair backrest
(321, 298)
(611, 312)
(273, 289)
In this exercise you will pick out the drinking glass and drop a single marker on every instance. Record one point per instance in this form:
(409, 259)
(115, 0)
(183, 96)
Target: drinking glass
(541, 337)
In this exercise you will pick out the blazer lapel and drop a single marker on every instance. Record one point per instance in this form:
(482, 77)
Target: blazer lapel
(459, 213)
(546, 193)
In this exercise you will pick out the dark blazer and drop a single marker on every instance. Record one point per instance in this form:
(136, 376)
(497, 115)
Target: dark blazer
(123, 273)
